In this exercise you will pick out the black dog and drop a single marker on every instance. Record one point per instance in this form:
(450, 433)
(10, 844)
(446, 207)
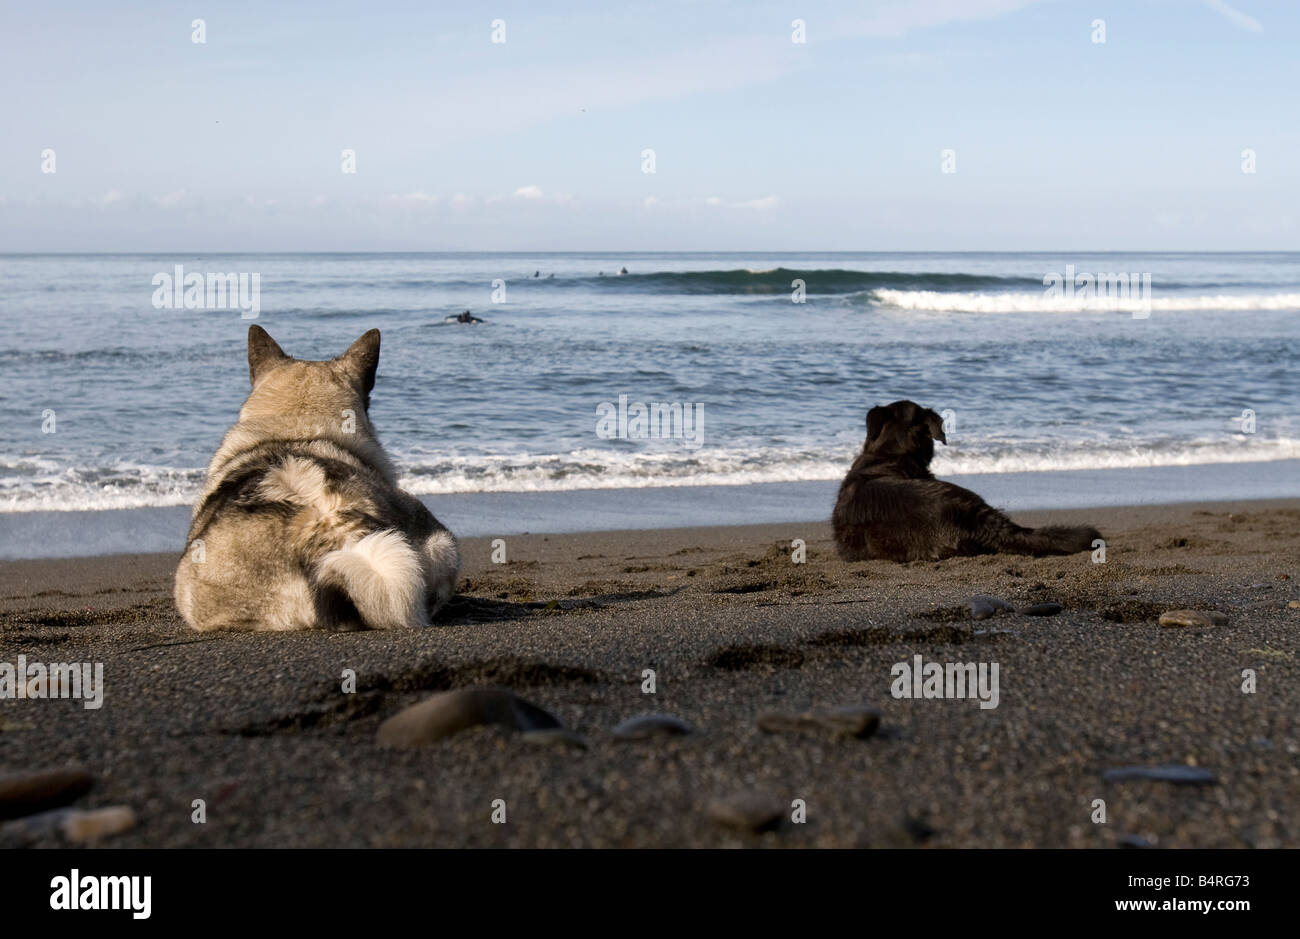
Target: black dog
(891, 506)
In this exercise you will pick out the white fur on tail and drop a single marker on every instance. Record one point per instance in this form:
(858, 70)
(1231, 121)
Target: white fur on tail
(383, 576)
(442, 567)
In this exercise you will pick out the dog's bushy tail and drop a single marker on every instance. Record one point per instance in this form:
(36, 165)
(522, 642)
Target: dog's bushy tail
(442, 568)
(1053, 539)
(381, 576)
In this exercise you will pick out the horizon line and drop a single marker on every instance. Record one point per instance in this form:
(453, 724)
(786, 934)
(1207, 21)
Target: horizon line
(531, 253)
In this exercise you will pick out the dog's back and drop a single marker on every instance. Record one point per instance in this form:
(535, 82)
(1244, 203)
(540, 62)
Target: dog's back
(890, 505)
(301, 523)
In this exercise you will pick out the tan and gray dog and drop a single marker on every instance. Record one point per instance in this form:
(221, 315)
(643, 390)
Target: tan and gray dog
(301, 523)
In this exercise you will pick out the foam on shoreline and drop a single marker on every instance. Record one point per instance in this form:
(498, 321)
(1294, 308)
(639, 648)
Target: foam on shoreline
(162, 528)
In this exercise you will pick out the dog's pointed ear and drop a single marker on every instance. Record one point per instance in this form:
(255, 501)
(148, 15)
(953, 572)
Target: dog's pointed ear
(264, 353)
(876, 418)
(935, 423)
(362, 359)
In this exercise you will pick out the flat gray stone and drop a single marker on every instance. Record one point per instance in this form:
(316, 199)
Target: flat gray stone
(652, 725)
(30, 828)
(982, 606)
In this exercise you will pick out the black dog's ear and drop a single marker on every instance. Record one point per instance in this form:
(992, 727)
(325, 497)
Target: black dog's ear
(264, 353)
(935, 423)
(876, 419)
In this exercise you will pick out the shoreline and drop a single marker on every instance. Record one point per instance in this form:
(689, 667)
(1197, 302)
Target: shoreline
(86, 533)
(1107, 518)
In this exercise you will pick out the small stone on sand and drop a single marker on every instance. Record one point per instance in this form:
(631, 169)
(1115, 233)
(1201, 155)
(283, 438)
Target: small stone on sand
(982, 607)
(854, 721)
(450, 712)
(31, 828)
(98, 823)
(28, 793)
(1193, 618)
(1041, 609)
(747, 811)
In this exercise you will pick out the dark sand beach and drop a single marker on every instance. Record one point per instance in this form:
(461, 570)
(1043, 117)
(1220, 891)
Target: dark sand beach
(257, 726)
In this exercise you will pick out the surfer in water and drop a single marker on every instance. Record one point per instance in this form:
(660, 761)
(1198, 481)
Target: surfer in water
(466, 317)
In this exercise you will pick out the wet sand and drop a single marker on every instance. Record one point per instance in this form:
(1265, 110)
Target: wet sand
(257, 725)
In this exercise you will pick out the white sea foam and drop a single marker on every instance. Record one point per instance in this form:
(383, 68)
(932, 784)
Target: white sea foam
(1039, 302)
(43, 485)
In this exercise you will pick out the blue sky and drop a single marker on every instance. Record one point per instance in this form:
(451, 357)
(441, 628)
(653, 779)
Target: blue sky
(761, 143)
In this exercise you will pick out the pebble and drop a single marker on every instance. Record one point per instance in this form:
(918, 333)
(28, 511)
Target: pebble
(853, 721)
(95, 824)
(1193, 618)
(1177, 774)
(29, 793)
(555, 737)
(1134, 841)
(31, 828)
(652, 725)
(748, 811)
(450, 712)
(982, 607)
(919, 828)
(1293, 605)
(1041, 609)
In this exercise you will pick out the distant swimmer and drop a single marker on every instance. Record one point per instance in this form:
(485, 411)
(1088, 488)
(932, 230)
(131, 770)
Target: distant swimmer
(466, 317)
(622, 271)
(537, 273)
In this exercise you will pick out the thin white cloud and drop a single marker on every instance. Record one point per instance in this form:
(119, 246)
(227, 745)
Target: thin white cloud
(414, 200)
(170, 200)
(535, 194)
(766, 202)
(1243, 20)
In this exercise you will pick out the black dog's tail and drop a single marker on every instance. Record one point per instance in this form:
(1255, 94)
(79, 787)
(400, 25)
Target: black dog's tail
(1054, 539)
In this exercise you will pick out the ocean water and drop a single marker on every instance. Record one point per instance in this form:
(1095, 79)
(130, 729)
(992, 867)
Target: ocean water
(110, 402)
